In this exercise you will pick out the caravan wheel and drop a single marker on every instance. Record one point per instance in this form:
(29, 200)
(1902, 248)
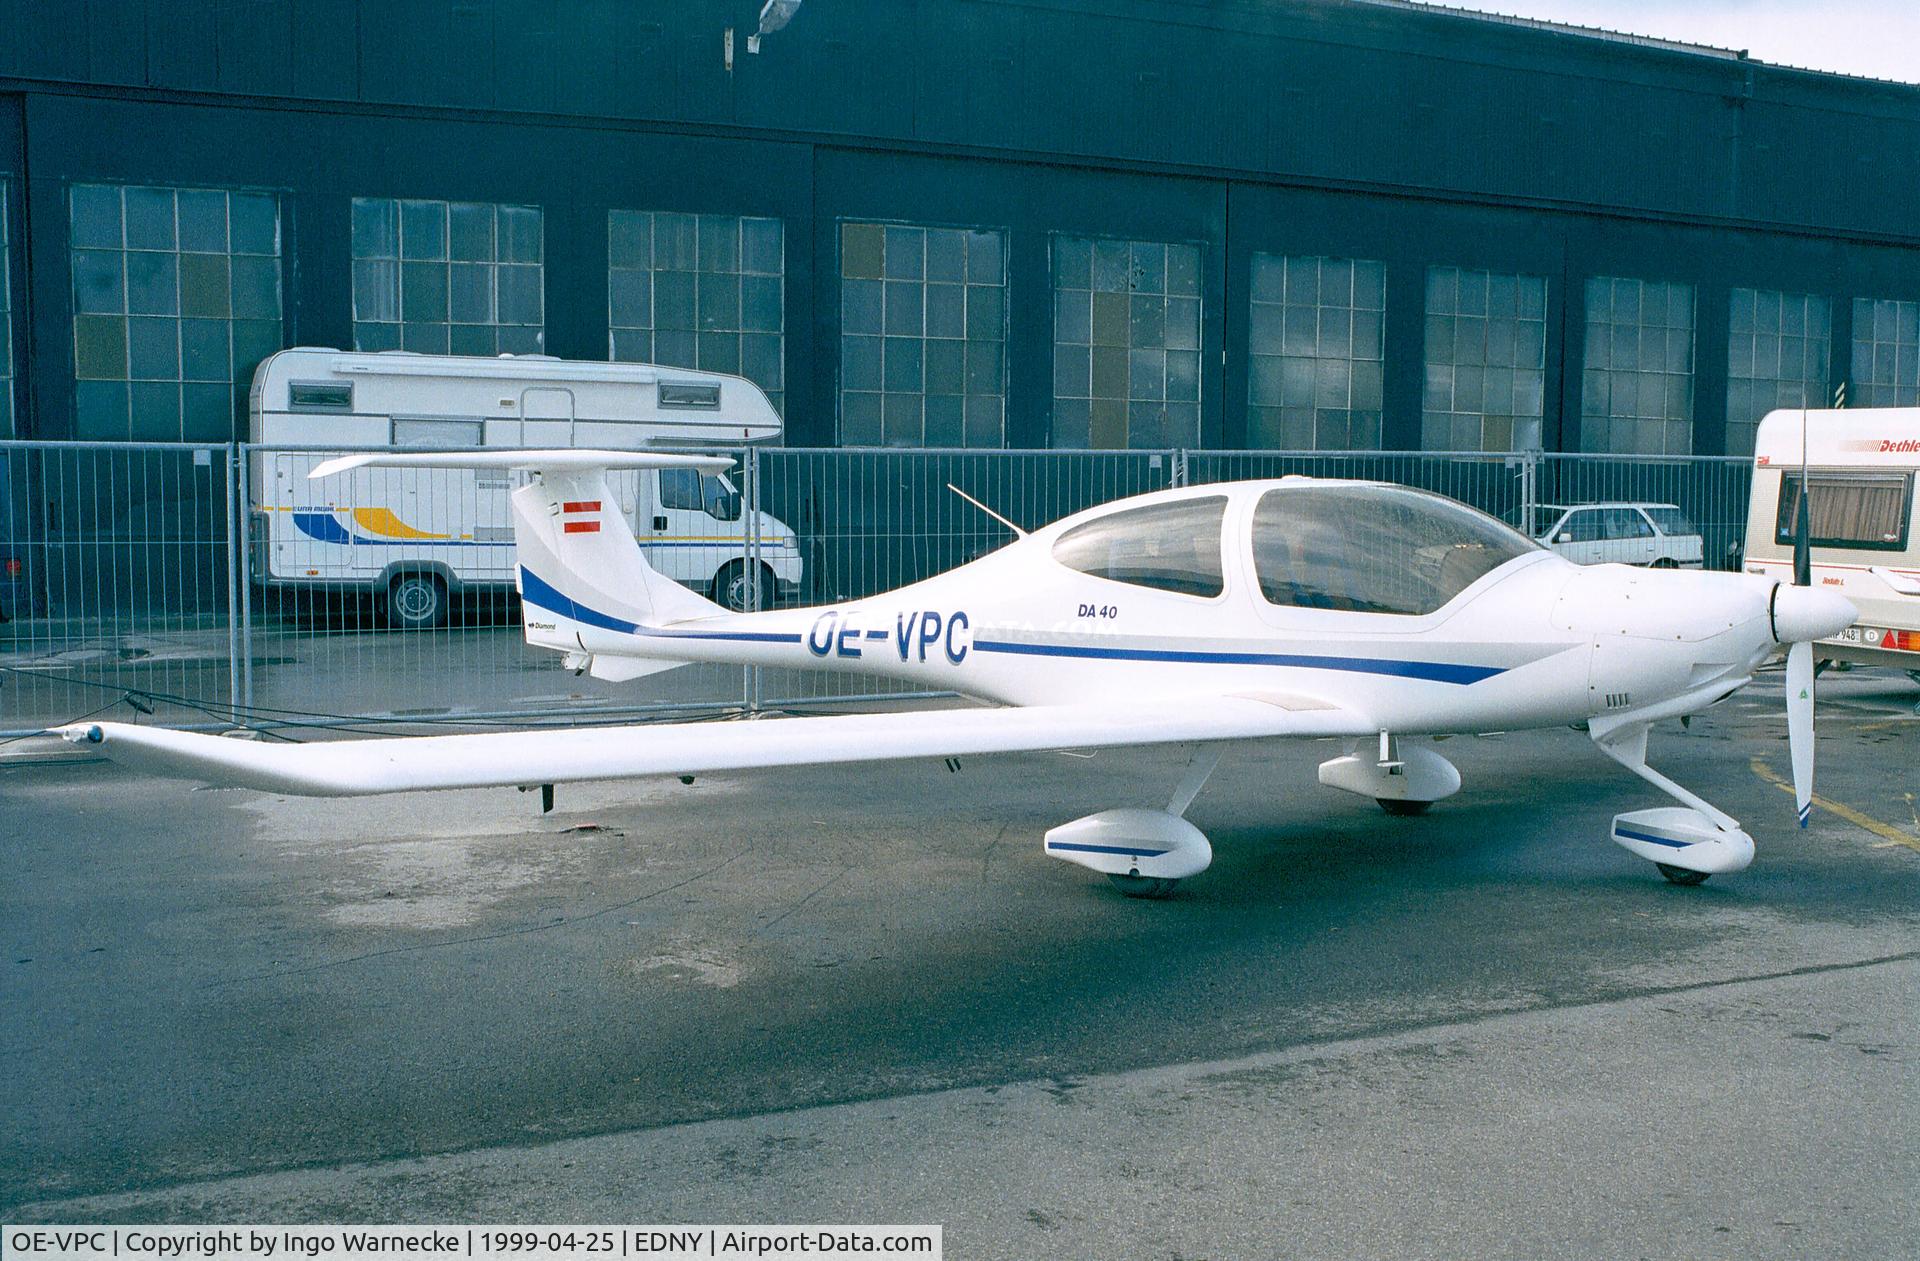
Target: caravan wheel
(733, 585)
(417, 602)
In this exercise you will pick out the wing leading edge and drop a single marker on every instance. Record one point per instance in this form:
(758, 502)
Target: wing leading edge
(348, 768)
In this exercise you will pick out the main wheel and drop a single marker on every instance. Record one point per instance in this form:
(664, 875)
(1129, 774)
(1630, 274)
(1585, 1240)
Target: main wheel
(1681, 875)
(1402, 808)
(733, 585)
(417, 602)
(1142, 886)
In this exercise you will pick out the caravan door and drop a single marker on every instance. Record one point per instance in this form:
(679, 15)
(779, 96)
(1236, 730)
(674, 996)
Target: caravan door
(547, 417)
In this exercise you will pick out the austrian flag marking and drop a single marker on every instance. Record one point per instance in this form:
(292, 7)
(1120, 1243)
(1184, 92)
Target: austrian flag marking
(578, 507)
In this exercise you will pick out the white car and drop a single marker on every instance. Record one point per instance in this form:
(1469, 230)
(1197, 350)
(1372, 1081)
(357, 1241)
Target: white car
(1658, 535)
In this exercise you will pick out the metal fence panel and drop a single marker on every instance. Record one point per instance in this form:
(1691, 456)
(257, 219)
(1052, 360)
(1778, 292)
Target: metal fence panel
(1711, 490)
(115, 581)
(205, 583)
(387, 593)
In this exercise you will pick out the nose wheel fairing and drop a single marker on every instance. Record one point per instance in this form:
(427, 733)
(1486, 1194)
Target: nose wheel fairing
(1676, 836)
(1695, 836)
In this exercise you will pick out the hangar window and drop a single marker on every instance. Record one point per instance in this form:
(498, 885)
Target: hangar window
(7, 422)
(1315, 336)
(176, 298)
(1778, 350)
(461, 278)
(1886, 353)
(1486, 361)
(1126, 343)
(923, 336)
(699, 291)
(1374, 549)
(1637, 387)
(1170, 546)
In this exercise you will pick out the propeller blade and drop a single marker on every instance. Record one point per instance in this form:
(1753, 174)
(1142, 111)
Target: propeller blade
(1800, 725)
(1802, 546)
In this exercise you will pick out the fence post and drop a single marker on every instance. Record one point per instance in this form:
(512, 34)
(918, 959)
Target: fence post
(229, 487)
(243, 498)
(750, 509)
(1529, 490)
(1178, 475)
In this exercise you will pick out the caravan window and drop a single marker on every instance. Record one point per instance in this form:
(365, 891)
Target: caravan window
(320, 396)
(1860, 510)
(436, 432)
(690, 491)
(680, 488)
(703, 395)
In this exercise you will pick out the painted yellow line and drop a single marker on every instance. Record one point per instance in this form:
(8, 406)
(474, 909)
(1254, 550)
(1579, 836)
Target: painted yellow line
(1884, 830)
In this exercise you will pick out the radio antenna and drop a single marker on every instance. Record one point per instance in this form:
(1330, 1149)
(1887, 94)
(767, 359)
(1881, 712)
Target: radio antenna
(990, 512)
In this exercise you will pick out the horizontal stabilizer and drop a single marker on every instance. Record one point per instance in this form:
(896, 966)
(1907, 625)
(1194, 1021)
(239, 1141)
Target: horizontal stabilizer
(345, 768)
(564, 460)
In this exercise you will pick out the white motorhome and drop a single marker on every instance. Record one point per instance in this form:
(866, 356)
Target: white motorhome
(416, 537)
(1861, 464)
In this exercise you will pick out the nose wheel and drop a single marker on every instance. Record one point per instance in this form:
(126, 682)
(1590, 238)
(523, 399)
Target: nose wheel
(1681, 875)
(1150, 887)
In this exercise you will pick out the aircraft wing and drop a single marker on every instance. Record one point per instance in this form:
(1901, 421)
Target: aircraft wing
(346, 768)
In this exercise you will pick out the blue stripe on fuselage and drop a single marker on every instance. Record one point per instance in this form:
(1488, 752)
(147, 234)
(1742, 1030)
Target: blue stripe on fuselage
(538, 592)
(1433, 671)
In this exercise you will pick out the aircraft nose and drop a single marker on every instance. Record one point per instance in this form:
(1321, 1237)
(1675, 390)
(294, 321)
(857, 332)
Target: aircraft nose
(1802, 614)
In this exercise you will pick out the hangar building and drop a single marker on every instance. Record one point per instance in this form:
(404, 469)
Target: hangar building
(1332, 224)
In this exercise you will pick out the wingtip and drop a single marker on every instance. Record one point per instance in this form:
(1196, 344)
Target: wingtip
(82, 733)
(339, 464)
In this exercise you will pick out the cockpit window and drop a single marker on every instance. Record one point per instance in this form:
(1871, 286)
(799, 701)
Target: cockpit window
(1171, 546)
(1374, 549)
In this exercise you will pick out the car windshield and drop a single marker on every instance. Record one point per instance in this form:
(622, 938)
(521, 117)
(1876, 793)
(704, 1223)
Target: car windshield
(1672, 521)
(1374, 549)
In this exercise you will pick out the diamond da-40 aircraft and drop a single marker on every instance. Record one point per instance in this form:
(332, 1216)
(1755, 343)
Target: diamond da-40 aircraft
(1192, 617)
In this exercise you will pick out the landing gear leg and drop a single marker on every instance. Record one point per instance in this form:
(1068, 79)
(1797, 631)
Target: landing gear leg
(1686, 843)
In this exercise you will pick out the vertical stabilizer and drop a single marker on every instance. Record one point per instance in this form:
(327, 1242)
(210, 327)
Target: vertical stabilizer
(580, 567)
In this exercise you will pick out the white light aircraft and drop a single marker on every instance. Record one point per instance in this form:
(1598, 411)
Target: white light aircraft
(1191, 617)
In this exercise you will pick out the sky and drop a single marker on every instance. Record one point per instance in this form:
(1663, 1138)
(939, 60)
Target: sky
(1876, 38)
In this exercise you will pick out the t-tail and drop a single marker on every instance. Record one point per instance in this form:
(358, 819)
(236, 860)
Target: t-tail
(585, 588)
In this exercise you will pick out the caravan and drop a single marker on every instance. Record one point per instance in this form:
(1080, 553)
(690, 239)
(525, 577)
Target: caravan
(416, 541)
(1861, 465)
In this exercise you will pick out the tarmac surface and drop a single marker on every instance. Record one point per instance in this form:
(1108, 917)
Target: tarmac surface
(863, 994)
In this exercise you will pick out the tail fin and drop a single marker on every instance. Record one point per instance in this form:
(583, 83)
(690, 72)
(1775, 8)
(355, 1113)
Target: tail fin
(581, 575)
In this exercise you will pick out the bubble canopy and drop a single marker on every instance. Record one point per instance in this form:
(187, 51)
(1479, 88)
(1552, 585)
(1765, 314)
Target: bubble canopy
(1345, 547)
(1374, 549)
